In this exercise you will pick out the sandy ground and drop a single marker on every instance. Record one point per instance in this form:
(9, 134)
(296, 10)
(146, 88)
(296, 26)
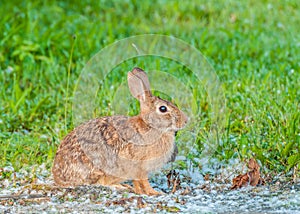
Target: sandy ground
(196, 194)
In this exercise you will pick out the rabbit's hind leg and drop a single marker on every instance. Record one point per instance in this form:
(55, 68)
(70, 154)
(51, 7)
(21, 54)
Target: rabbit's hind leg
(114, 182)
(69, 170)
(122, 187)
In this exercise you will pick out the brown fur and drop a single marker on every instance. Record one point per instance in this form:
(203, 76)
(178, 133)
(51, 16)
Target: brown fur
(111, 150)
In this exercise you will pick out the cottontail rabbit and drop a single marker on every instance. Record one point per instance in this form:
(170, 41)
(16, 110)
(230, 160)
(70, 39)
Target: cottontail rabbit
(110, 150)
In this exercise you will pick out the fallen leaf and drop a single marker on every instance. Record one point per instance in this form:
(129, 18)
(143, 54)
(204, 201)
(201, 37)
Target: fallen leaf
(173, 180)
(207, 177)
(240, 181)
(183, 202)
(140, 203)
(206, 187)
(122, 201)
(252, 177)
(126, 202)
(186, 191)
(22, 202)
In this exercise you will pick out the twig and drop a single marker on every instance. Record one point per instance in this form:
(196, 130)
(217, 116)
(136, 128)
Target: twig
(295, 173)
(21, 196)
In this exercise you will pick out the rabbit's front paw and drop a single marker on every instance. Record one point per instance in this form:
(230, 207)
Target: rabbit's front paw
(143, 187)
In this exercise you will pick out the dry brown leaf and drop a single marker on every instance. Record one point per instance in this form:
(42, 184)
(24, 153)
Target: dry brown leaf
(206, 187)
(207, 177)
(252, 177)
(140, 203)
(173, 180)
(125, 202)
(240, 181)
(186, 191)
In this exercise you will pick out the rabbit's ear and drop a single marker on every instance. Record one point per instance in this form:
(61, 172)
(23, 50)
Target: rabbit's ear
(139, 85)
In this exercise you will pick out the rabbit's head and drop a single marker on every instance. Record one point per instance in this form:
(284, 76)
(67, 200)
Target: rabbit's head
(155, 112)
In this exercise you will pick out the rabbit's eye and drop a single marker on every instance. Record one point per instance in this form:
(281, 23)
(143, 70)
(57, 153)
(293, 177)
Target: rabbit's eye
(163, 109)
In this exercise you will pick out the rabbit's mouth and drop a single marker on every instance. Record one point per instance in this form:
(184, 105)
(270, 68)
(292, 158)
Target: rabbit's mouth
(180, 123)
(177, 128)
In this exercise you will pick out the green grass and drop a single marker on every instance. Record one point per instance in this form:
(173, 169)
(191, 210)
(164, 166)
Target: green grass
(254, 47)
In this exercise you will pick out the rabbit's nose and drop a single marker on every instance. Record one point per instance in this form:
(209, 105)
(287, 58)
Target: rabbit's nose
(185, 118)
(182, 120)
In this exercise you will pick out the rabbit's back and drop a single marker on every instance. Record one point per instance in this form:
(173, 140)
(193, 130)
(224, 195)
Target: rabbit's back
(121, 146)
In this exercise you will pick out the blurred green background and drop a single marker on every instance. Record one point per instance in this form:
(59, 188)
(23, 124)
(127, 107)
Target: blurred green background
(254, 47)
